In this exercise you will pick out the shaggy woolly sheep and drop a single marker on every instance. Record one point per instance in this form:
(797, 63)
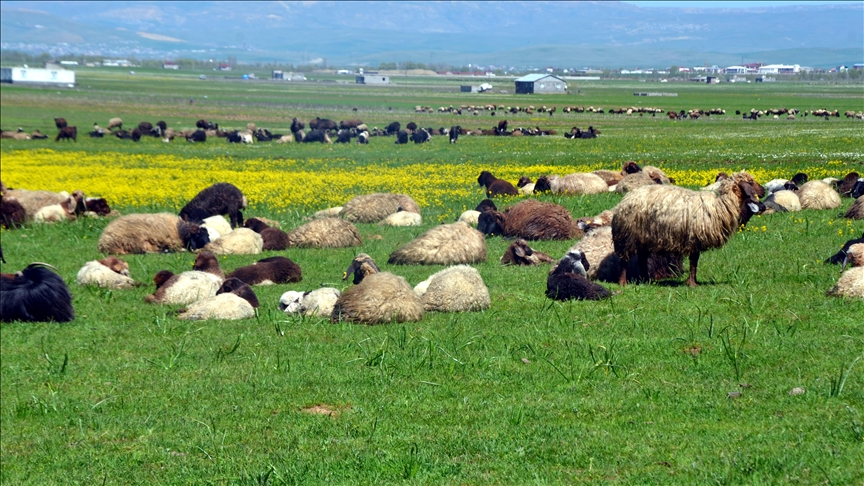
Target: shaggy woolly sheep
(327, 213)
(220, 198)
(241, 241)
(818, 195)
(568, 282)
(273, 270)
(856, 211)
(402, 218)
(530, 220)
(372, 208)
(151, 233)
(605, 265)
(233, 301)
(325, 233)
(519, 253)
(33, 201)
(319, 302)
(111, 272)
(577, 183)
(454, 289)
(35, 294)
(634, 181)
(377, 297)
(611, 177)
(446, 244)
(187, 287)
(850, 284)
(674, 220)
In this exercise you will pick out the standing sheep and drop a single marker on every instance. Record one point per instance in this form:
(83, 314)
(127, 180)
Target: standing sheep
(151, 233)
(376, 297)
(220, 198)
(372, 208)
(446, 244)
(455, 289)
(670, 219)
(115, 123)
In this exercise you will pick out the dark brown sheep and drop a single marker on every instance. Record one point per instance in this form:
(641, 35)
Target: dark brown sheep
(531, 220)
(496, 187)
(519, 253)
(240, 289)
(273, 270)
(67, 133)
(60, 122)
(274, 238)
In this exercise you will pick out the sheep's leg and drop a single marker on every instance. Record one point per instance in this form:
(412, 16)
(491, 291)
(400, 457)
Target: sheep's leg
(694, 261)
(622, 280)
(642, 260)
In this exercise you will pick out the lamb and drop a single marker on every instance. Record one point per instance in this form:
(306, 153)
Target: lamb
(35, 294)
(217, 226)
(782, 201)
(220, 198)
(241, 241)
(850, 284)
(233, 301)
(446, 244)
(188, 287)
(268, 271)
(319, 302)
(274, 238)
(402, 218)
(530, 220)
(115, 123)
(577, 183)
(377, 297)
(33, 201)
(372, 208)
(56, 212)
(525, 186)
(325, 233)
(519, 253)
(855, 211)
(151, 233)
(496, 187)
(568, 281)
(455, 289)
(818, 195)
(674, 220)
(110, 272)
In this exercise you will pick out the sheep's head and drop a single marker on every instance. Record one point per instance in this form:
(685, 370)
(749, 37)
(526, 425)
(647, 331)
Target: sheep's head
(291, 301)
(98, 206)
(161, 277)
(116, 265)
(574, 261)
(750, 204)
(485, 178)
(255, 225)
(542, 184)
(523, 181)
(239, 288)
(858, 189)
(630, 168)
(486, 205)
(194, 237)
(361, 266)
(800, 179)
(491, 223)
(206, 262)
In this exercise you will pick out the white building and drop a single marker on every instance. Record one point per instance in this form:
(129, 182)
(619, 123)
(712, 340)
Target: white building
(115, 62)
(735, 70)
(780, 69)
(25, 75)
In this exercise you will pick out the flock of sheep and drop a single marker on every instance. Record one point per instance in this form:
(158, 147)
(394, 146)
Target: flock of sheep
(643, 238)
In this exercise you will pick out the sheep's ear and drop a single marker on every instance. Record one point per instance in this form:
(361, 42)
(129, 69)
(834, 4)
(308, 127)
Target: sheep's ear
(519, 251)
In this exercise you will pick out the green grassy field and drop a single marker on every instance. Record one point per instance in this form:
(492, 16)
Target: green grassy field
(660, 384)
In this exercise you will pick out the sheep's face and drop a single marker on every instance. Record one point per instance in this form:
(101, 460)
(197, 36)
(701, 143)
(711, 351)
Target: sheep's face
(750, 204)
(574, 261)
(98, 206)
(523, 181)
(231, 285)
(858, 189)
(521, 248)
(485, 178)
(361, 266)
(290, 302)
(542, 184)
(491, 223)
(116, 265)
(198, 239)
(631, 168)
(161, 277)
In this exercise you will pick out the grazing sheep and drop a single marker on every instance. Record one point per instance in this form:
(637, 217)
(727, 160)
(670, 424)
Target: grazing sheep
(402, 218)
(60, 123)
(110, 272)
(35, 294)
(782, 201)
(496, 187)
(454, 289)
(151, 233)
(850, 284)
(856, 210)
(268, 271)
(519, 253)
(233, 301)
(67, 133)
(372, 208)
(325, 233)
(220, 198)
(578, 183)
(115, 123)
(319, 302)
(274, 238)
(530, 220)
(568, 281)
(446, 244)
(818, 195)
(672, 220)
(241, 241)
(376, 297)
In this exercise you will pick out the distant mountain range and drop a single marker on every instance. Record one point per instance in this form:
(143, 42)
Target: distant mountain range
(564, 34)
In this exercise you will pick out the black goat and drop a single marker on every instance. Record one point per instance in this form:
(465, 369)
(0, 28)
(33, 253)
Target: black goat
(35, 294)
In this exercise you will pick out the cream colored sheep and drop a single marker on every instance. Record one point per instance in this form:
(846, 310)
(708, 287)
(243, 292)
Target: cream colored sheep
(150, 233)
(818, 195)
(111, 272)
(218, 223)
(577, 183)
(319, 302)
(470, 216)
(850, 284)
(185, 288)
(856, 210)
(325, 233)
(785, 199)
(241, 241)
(376, 297)
(327, 213)
(227, 306)
(446, 244)
(371, 208)
(402, 218)
(455, 289)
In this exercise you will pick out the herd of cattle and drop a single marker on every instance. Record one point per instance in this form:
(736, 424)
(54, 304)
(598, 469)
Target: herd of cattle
(645, 237)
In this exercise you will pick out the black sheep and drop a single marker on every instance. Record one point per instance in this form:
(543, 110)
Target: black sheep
(35, 294)
(420, 136)
(197, 136)
(60, 123)
(273, 270)
(322, 124)
(393, 128)
(486, 205)
(454, 133)
(220, 198)
(568, 280)
(840, 256)
(297, 125)
(401, 137)
(234, 137)
(411, 126)
(344, 136)
(67, 133)
(12, 214)
(145, 127)
(206, 125)
(316, 136)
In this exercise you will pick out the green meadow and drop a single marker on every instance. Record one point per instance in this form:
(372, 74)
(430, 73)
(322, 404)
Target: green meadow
(659, 384)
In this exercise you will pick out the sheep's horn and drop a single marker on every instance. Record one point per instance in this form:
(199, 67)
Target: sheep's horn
(845, 261)
(43, 264)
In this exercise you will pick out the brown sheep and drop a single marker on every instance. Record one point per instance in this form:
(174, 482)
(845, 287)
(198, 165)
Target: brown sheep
(273, 270)
(519, 253)
(274, 238)
(372, 208)
(856, 211)
(496, 187)
(531, 220)
(151, 233)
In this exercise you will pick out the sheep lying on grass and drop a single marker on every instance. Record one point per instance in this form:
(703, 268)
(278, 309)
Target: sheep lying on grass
(325, 233)
(850, 284)
(372, 208)
(268, 271)
(188, 287)
(454, 289)
(110, 272)
(530, 220)
(319, 302)
(446, 244)
(241, 241)
(377, 297)
(519, 253)
(568, 280)
(233, 301)
(151, 233)
(35, 294)
(818, 195)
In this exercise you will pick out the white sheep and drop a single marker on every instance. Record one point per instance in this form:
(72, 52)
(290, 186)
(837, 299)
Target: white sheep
(241, 241)
(818, 195)
(850, 284)
(225, 306)
(110, 272)
(402, 218)
(470, 216)
(319, 302)
(455, 289)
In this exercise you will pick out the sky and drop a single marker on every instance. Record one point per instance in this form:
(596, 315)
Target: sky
(731, 4)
